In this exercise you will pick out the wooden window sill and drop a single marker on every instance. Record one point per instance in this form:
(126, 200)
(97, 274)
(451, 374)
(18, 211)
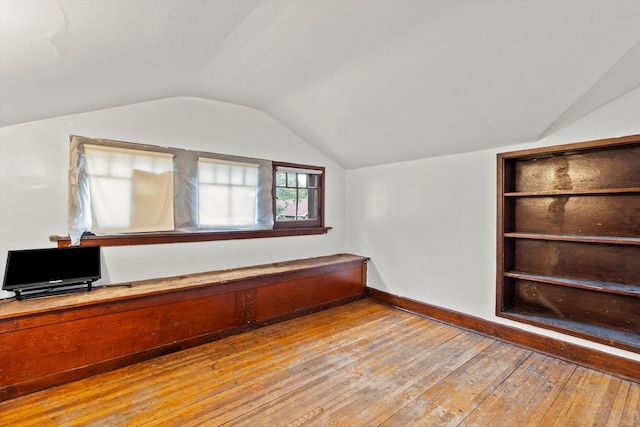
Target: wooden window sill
(180, 237)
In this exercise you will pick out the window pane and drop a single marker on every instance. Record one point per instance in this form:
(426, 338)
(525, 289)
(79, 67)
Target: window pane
(110, 203)
(206, 172)
(221, 174)
(297, 198)
(98, 164)
(121, 165)
(285, 204)
(243, 206)
(143, 163)
(312, 204)
(129, 190)
(228, 196)
(226, 206)
(213, 204)
(236, 175)
(303, 205)
(252, 177)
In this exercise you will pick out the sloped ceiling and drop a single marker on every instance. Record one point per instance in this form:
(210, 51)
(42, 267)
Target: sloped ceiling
(366, 82)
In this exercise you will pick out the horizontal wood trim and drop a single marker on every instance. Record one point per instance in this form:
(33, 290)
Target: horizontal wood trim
(616, 365)
(613, 288)
(623, 339)
(146, 293)
(573, 238)
(177, 237)
(50, 341)
(563, 149)
(595, 192)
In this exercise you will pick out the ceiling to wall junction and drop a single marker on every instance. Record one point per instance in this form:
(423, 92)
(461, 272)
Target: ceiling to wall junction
(366, 82)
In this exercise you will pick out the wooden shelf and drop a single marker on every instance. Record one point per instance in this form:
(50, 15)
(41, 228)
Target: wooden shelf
(615, 240)
(612, 288)
(594, 192)
(601, 334)
(569, 239)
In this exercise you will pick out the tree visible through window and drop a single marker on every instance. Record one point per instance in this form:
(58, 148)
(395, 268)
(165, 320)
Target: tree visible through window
(298, 198)
(120, 188)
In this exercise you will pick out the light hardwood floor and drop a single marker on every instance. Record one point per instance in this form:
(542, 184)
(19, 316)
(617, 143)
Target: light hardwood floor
(363, 364)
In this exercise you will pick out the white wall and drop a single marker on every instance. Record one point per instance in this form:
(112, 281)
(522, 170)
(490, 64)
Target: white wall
(429, 225)
(34, 162)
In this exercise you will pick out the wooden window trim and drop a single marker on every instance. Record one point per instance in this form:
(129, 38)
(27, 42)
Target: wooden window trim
(182, 237)
(299, 224)
(295, 228)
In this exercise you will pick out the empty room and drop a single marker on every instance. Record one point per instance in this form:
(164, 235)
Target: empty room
(320, 212)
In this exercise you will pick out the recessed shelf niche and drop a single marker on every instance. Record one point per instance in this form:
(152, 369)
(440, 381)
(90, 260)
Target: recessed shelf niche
(569, 239)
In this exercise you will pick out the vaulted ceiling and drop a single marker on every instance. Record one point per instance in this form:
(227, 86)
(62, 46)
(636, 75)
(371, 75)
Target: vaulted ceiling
(366, 82)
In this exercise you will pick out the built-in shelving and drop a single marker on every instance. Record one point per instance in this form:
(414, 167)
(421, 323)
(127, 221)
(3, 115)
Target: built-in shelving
(596, 191)
(630, 341)
(572, 238)
(569, 239)
(594, 285)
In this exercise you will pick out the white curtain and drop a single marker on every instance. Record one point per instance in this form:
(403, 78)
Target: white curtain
(123, 187)
(227, 193)
(129, 190)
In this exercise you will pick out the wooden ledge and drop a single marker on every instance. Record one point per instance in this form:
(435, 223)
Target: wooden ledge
(11, 308)
(182, 237)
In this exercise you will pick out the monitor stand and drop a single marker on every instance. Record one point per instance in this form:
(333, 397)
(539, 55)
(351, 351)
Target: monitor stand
(24, 294)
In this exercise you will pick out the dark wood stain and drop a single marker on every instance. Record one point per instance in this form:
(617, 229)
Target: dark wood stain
(569, 239)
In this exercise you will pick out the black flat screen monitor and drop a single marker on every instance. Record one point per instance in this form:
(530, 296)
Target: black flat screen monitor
(42, 268)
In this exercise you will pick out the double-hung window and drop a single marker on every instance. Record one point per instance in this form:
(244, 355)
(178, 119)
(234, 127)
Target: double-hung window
(123, 188)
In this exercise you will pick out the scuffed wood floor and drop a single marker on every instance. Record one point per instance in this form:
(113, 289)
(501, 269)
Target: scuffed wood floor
(363, 364)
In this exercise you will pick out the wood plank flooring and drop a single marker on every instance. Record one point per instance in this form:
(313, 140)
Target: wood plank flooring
(362, 364)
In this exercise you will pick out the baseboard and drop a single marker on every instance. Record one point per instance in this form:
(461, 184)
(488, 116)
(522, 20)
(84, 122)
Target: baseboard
(588, 357)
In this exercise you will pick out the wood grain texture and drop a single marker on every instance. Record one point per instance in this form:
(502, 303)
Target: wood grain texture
(588, 357)
(582, 171)
(46, 343)
(618, 264)
(361, 364)
(571, 213)
(182, 237)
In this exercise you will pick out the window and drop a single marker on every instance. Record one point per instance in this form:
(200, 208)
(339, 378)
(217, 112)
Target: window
(130, 190)
(164, 195)
(227, 193)
(298, 195)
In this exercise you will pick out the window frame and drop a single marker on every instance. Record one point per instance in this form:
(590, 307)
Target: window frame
(296, 228)
(299, 223)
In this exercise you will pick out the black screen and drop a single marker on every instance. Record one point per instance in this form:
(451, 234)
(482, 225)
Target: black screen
(34, 268)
